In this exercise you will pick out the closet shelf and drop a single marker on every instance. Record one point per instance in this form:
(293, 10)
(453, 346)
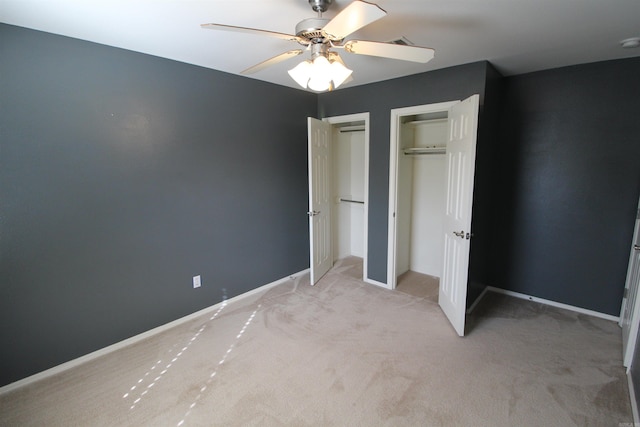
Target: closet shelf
(417, 151)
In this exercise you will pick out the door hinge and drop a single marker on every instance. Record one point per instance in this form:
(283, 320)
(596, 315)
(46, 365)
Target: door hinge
(626, 293)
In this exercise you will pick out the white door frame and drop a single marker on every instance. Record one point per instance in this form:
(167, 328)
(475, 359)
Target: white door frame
(630, 310)
(359, 117)
(396, 116)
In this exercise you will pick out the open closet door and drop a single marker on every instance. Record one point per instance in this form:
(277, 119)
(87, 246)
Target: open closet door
(319, 198)
(460, 167)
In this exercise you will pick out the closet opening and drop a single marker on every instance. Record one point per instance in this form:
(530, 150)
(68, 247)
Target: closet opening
(348, 205)
(431, 171)
(338, 162)
(417, 199)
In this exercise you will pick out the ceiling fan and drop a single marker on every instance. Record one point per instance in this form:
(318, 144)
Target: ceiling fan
(325, 70)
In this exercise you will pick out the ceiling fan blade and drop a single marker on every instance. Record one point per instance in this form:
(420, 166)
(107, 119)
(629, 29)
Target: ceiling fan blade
(390, 50)
(281, 36)
(352, 18)
(272, 61)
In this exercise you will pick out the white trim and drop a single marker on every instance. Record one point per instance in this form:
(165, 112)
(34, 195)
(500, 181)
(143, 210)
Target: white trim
(630, 330)
(636, 231)
(137, 338)
(358, 117)
(375, 282)
(555, 304)
(634, 404)
(396, 115)
(365, 243)
(541, 301)
(477, 301)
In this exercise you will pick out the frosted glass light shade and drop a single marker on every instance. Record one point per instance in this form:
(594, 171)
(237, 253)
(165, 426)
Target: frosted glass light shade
(320, 75)
(300, 73)
(340, 73)
(319, 84)
(320, 68)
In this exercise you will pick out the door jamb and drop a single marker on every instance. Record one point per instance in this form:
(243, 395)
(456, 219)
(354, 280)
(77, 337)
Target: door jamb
(396, 116)
(634, 320)
(353, 118)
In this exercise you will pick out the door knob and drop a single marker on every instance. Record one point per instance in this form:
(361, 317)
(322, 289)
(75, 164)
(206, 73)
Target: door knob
(459, 234)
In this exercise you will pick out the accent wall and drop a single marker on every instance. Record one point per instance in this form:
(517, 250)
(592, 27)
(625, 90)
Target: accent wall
(124, 175)
(568, 183)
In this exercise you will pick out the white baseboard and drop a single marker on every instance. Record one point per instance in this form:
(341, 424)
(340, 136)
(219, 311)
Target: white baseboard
(554, 304)
(634, 404)
(375, 282)
(477, 301)
(136, 338)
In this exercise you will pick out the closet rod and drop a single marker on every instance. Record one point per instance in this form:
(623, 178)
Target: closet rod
(351, 201)
(352, 129)
(427, 121)
(424, 150)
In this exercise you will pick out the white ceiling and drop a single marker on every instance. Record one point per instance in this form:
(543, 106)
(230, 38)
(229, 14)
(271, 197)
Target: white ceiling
(517, 36)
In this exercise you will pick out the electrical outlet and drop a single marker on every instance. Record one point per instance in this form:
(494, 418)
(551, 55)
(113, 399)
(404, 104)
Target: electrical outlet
(196, 281)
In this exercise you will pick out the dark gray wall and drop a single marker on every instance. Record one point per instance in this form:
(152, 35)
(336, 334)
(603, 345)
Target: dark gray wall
(483, 217)
(568, 183)
(122, 176)
(379, 99)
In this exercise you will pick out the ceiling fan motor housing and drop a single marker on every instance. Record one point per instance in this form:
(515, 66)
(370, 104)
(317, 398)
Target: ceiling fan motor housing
(320, 5)
(311, 29)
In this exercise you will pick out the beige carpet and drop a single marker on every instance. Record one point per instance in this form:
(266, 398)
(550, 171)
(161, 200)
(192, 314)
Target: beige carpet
(346, 353)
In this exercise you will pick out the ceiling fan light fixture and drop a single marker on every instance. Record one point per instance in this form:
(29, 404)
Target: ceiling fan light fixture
(319, 84)
(300, 73)
(320, 74)
(340, 73)
(320, 69)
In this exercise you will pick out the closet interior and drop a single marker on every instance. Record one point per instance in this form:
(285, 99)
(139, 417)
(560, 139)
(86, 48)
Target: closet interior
(420, 193)
(348, 208)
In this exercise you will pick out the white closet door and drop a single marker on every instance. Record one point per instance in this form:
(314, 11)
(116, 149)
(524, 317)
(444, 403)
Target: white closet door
(461, 153)
(319, 134)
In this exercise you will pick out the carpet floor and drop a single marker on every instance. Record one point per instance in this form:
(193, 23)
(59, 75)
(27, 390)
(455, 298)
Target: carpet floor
(347, 353)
